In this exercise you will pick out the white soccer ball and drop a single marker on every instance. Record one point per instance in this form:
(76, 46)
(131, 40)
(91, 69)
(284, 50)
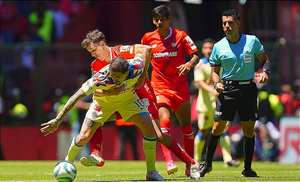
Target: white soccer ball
(65, 171)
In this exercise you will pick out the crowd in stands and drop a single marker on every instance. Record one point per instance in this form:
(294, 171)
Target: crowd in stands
(23, 23)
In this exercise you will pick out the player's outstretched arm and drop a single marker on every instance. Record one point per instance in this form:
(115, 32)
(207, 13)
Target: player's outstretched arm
(53, 124)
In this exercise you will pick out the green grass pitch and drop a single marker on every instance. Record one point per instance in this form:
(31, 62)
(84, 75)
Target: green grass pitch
(135, 171)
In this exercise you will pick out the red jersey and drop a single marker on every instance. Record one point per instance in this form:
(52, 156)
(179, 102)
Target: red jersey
(126, 51)
(167, 54)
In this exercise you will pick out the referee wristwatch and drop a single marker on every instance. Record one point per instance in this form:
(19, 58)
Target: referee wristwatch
(267, 72)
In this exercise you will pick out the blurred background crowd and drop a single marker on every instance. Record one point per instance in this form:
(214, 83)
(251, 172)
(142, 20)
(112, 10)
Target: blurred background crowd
(42, 63)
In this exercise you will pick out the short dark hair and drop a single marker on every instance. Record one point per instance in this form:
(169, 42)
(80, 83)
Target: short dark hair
(209, 40)
(161, 10)
(231, 12)
(94, 37)
(119, 64)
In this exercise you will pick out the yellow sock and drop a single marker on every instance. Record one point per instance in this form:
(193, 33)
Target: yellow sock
(149, 147)
(73, 150)
(226, 151)
(198, 148)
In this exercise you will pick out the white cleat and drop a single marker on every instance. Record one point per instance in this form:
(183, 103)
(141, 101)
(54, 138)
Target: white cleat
(154, 176)
(195, 171)
(92, 160)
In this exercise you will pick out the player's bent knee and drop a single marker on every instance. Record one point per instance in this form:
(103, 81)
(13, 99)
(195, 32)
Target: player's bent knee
(82, 139)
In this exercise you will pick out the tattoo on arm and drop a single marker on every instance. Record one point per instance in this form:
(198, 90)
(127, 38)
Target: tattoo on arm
(70, 103)
(89, 123)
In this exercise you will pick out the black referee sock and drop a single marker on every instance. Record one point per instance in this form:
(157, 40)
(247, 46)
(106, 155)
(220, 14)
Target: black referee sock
(212, 146)
(248, 151)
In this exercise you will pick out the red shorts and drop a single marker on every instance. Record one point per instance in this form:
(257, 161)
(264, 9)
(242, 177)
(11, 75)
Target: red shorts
(172, 98)
(147, 96)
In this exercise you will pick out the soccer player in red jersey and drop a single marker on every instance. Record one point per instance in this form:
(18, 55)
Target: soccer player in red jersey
(95, 43)
(169, 77)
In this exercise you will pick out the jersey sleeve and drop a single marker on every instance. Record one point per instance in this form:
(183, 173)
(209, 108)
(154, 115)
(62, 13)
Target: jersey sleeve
(188, 44)
(213, 59)
(258, 47)
(144, 40)
(126, 51)
(136, 66)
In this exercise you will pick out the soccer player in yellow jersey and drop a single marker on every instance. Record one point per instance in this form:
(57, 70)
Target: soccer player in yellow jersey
(119, 73)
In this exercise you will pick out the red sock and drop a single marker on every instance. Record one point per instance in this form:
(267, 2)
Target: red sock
(180, 152)
(188, 139)
(96, 141)
(165, 125)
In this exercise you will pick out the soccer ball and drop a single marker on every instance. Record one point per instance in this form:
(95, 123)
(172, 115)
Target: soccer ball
(65, 171)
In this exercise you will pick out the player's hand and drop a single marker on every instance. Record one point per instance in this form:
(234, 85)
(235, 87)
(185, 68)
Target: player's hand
(50, 127)
(219, 87)
(261, 77)
(184, 68)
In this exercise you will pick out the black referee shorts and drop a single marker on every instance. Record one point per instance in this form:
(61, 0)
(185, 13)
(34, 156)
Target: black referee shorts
(240, 96)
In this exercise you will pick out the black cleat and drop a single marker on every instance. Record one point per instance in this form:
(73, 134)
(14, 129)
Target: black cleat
(205, 168)
(249, 173)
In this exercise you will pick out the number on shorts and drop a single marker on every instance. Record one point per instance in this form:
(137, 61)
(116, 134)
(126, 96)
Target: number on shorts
(139, 103)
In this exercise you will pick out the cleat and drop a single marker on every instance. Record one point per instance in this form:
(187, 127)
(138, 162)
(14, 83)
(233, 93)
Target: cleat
(171, 168)
(234, 163)
(92, 160)
(205, 168)
(195, 171)
(249, 173)
(154, 176)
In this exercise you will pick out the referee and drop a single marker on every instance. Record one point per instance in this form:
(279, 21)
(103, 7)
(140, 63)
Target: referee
(236, 54)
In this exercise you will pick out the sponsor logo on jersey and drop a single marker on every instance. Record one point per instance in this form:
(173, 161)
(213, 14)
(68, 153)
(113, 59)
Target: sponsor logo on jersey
(173, 44)
(165, 54)
(98, 108)
(244, 83)
(154, 45)
(125, 89)
(125, 48)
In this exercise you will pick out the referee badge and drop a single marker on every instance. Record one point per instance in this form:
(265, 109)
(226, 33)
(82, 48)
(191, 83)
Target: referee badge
(247, 58)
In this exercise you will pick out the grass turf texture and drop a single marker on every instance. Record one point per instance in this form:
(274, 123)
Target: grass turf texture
(136, 171)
